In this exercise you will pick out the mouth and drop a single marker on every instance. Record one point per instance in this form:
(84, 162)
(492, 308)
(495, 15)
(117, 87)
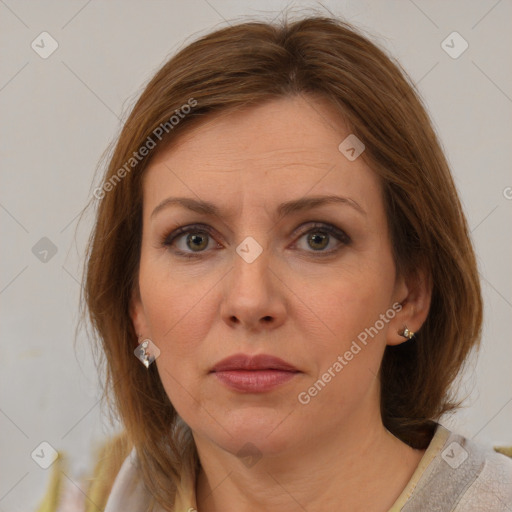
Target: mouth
(258, 362)
(253, 374)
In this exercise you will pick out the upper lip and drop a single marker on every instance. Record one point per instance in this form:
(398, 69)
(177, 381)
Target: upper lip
(256, 362)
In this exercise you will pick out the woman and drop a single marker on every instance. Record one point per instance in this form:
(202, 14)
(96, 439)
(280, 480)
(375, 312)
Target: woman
(283, 283)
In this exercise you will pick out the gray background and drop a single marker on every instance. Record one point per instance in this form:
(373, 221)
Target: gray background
(59, 114)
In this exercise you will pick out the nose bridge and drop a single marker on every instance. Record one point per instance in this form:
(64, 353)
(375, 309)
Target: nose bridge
(252, 295)
(250, 268)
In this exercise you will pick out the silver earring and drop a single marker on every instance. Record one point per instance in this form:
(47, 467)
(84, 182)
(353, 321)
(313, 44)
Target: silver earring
(145, 355)
(406, 333)
(142, 353)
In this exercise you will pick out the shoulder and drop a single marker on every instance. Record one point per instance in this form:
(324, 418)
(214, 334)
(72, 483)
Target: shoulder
(110, 459)
(93, 490)
(464, 476)
(489, 477)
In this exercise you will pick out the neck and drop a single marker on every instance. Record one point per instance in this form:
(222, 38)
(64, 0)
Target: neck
(357, 470)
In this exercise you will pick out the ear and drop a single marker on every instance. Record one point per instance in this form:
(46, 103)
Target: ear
(138, 315)
(414, 294)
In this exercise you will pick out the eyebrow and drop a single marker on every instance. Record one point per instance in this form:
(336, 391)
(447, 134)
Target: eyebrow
(284, 209)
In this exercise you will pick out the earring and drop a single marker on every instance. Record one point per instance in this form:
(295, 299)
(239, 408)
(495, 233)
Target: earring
(406, 333)
(142, 353)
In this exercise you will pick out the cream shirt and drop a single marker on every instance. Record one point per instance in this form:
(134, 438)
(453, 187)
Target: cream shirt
(454, 475)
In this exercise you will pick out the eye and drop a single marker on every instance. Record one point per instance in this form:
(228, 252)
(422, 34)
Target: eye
(320, 236)
(196, 241)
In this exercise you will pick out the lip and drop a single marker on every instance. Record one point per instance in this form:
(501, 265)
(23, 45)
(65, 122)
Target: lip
(257, 362)
(253, 374)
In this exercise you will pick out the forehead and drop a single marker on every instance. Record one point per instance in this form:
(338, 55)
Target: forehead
(307, 127)
(280, 150)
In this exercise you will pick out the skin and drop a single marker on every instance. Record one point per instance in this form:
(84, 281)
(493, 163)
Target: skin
(290, 302)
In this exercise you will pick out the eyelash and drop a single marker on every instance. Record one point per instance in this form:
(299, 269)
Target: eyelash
(169, 239)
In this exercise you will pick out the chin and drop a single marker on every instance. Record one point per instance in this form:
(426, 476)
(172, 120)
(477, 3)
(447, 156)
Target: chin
(258, 429)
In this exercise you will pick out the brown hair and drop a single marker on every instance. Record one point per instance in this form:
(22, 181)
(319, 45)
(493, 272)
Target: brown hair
(247, 64)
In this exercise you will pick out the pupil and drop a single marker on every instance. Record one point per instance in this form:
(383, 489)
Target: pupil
(197, 240)
(318, 238)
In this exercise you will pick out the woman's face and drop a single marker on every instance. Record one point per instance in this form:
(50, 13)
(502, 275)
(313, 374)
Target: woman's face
(311, 283)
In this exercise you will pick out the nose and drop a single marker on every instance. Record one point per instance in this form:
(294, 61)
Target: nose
(253, 295)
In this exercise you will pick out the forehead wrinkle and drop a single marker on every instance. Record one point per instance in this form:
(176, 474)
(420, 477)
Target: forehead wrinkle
(244, 164)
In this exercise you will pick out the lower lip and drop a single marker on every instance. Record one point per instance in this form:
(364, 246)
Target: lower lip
(254, 381)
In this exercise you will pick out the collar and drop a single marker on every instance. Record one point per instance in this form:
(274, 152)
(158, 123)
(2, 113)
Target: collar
(128, 494)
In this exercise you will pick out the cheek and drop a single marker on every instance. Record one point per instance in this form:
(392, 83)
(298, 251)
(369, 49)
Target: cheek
(172, 295)
(345, 361)
(179, 324)
(355, 330)
(347, 305)
(177, 310)
(350, 321)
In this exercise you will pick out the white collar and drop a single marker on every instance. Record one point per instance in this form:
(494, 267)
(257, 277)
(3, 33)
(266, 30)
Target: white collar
(128, 493)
